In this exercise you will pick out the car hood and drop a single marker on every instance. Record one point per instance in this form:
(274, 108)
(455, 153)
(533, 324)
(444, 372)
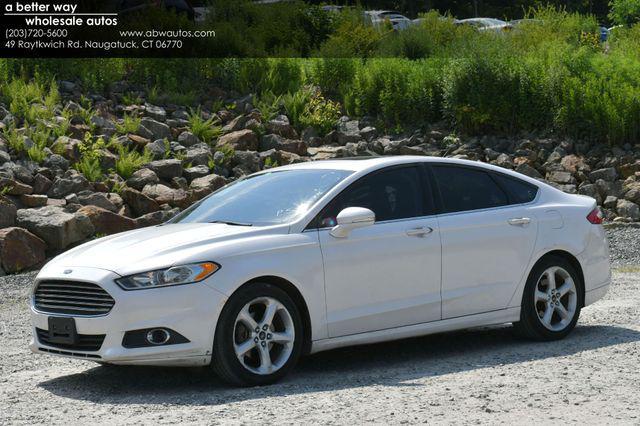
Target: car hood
(158, 247)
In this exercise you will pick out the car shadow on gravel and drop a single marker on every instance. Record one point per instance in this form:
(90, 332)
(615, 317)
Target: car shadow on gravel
(389, 364)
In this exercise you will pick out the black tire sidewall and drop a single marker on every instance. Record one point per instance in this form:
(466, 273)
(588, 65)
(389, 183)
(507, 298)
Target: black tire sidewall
(223, 351)
(529, 314)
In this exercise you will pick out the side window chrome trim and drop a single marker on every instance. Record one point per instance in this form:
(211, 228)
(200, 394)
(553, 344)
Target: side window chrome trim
(508, 206)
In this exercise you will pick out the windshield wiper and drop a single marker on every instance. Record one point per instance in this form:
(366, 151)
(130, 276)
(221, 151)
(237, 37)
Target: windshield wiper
(226, 222)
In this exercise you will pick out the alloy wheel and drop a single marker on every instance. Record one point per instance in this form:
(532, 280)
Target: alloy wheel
(263, 335)
(556, 298)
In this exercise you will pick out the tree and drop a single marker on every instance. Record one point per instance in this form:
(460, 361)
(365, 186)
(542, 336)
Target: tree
(624, 12)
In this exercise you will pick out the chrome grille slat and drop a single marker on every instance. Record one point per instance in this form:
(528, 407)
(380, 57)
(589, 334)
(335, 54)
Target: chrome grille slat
(71, 297)
(69, 302)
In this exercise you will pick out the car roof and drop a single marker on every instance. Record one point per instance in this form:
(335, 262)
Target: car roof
(371, 163)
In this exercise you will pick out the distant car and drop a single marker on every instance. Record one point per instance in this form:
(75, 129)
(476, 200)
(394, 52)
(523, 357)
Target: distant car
(486, 24)
(525, 21)
(378, 17)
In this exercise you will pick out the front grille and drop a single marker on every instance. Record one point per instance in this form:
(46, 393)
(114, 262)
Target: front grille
(72, 298)
(85, 342)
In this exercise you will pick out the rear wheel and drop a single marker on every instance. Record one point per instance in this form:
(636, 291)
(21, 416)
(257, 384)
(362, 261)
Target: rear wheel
(259, 336)
(551, 301)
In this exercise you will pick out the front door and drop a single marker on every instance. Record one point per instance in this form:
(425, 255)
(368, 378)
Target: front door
(386, 275)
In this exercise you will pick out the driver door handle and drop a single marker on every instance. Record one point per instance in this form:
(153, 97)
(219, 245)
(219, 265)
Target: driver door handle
(422, 231)
(519, 221)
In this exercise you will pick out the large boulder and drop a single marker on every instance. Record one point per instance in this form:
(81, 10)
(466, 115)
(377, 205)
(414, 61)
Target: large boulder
(8, 212)
(99, 199)
(196, 172)
(72, 182)
(166, 169)
(162, 194)
(281, 126)
(242, 140)
(277, 142)
(107, 222)
(41, 184)
(58, 227)
(140, 204)
(20, 249)
(155, 112)
(207, 184)
(14, 187)
(188, 139)
(628, 209)
(68, 147)
(198, 155)
(155, 218)
(608, 174)
(142, 177)
(153, 129)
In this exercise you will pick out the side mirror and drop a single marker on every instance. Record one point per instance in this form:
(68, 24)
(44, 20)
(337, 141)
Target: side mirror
(352, 218)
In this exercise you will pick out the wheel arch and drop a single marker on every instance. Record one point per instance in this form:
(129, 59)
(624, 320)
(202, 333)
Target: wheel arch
(295, 294)
(573, 261)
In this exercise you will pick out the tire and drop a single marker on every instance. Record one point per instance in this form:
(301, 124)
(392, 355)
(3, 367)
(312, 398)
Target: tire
(244, 337)
(540, 295)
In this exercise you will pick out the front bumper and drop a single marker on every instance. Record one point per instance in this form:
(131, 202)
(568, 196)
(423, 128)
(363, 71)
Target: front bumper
(191, 310)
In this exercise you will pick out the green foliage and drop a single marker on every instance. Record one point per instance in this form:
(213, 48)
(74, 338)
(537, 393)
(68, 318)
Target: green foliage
(295, 105)
(228, 153)
(90, 155)
(90, 168)
(130, 124)
(130, 160)
(320, 113)
(624, 12)
(205, 130)
(268, 104)
(14, 139)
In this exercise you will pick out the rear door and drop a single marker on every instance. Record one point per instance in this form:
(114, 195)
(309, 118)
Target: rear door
(388, 274)
(488, 235)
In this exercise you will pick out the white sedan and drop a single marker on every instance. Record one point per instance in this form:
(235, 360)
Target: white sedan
(315, 256)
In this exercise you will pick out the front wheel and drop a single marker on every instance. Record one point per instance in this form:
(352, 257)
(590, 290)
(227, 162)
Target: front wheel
(551, 301)
(259, 335)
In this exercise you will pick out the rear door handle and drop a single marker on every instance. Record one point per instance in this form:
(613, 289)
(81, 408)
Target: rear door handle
(422, 231)
(519, 221)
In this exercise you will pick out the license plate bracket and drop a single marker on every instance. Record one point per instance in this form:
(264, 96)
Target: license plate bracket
(62, 330)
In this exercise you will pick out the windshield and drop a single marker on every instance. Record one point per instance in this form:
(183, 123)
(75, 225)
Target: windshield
(265, 199)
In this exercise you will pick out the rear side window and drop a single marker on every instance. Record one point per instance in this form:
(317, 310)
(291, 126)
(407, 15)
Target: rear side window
(391, 194)
(464, 189)
(520, 192)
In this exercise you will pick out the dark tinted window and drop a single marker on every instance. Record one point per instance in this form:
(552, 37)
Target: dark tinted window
(465, 189)
(520, 192)
(392, 194)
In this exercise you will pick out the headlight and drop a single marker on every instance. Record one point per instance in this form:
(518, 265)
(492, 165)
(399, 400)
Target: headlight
(176, 275)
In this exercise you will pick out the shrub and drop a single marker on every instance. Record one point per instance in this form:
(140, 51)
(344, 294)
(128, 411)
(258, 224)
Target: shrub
(130, 124)
(129, 160)
(624, 12)
(206, 130)
(320, 113)
(90, 168)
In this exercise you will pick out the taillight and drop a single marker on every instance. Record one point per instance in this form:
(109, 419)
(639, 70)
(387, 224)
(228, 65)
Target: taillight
(595, 216)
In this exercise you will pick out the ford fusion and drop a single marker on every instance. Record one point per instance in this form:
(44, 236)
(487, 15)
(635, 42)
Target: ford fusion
(309, 257)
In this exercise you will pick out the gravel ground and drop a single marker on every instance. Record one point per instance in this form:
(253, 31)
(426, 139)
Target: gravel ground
(470, 377)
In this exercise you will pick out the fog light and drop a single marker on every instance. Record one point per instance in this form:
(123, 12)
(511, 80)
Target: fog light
(158, 336)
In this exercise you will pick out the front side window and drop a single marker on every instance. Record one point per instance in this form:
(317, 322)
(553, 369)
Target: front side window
(464, 189)
(264, 199)
(392, 194)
